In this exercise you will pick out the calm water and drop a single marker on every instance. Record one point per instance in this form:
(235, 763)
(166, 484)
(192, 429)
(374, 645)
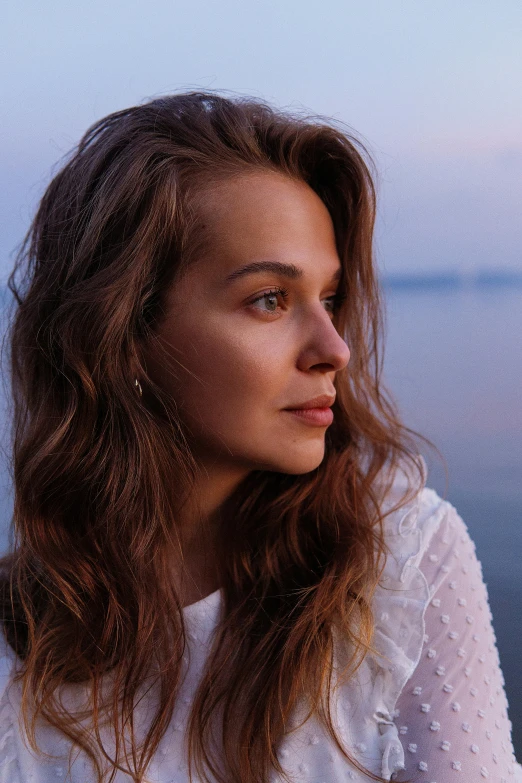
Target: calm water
(454, 364)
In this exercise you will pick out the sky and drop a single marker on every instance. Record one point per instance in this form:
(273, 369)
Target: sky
(432, 88)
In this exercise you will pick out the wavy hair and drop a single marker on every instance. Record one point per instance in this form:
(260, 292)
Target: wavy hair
(86, 594)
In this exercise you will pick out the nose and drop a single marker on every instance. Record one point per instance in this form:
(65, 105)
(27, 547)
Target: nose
(323, 347)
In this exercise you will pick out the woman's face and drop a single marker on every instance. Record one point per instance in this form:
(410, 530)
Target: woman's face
(240, 345)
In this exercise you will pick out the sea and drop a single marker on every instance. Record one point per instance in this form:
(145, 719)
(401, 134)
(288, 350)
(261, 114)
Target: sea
(453, 365)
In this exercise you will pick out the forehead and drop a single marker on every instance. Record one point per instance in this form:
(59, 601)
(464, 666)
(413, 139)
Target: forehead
(265, 215)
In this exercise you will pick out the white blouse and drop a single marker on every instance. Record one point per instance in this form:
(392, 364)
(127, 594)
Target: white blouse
(428, 705)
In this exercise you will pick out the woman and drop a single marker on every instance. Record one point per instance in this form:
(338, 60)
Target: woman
(227, 566)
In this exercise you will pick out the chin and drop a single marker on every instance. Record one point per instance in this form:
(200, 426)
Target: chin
(300, 461)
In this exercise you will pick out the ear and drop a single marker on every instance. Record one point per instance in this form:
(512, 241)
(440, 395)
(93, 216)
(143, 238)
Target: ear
(143, 364)
(137, 365)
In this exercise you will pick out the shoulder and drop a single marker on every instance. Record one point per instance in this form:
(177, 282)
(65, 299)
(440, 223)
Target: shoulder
(9, 744)
(411, 530)
(8, 665)
(18, 762)
(425, 530)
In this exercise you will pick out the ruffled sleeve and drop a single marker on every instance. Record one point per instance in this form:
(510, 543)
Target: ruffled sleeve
(419, 536)
(400, 603)
(367, 703)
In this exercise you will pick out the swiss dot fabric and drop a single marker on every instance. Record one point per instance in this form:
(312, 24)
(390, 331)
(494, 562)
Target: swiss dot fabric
(452, 714)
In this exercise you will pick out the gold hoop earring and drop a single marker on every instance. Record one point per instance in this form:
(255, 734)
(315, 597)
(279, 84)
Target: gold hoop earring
(138, 385)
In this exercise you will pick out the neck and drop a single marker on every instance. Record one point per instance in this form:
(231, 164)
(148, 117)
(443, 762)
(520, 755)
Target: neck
(214, 484)
(199, 523)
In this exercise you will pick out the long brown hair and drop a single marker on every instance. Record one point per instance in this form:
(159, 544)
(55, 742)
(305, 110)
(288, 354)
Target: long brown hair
(86, 595)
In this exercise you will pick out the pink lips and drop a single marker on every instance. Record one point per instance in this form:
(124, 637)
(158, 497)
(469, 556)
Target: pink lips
(316, 411)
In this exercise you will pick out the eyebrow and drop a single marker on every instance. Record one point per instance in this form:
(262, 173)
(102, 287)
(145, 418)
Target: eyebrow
(290, 271)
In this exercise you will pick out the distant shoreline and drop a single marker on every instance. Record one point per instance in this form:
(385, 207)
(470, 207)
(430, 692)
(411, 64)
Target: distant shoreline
(414, 281)
(453, 280)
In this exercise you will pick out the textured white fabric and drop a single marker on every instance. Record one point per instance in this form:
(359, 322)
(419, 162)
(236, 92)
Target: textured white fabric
(428, 704)
(452, 714)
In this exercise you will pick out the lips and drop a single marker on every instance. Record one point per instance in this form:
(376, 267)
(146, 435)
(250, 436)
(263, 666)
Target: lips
(323, 401)
(315, 412)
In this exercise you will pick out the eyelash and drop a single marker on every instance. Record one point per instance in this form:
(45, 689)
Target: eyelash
(336, 299)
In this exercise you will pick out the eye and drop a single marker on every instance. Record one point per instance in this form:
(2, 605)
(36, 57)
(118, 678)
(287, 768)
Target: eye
(334, 303)
(271, 299)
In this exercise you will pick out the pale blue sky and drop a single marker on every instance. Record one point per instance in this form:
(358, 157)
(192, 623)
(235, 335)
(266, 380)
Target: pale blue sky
(433, 88)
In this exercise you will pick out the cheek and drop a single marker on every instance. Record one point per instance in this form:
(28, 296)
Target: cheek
(232, 375)
(230, 385)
